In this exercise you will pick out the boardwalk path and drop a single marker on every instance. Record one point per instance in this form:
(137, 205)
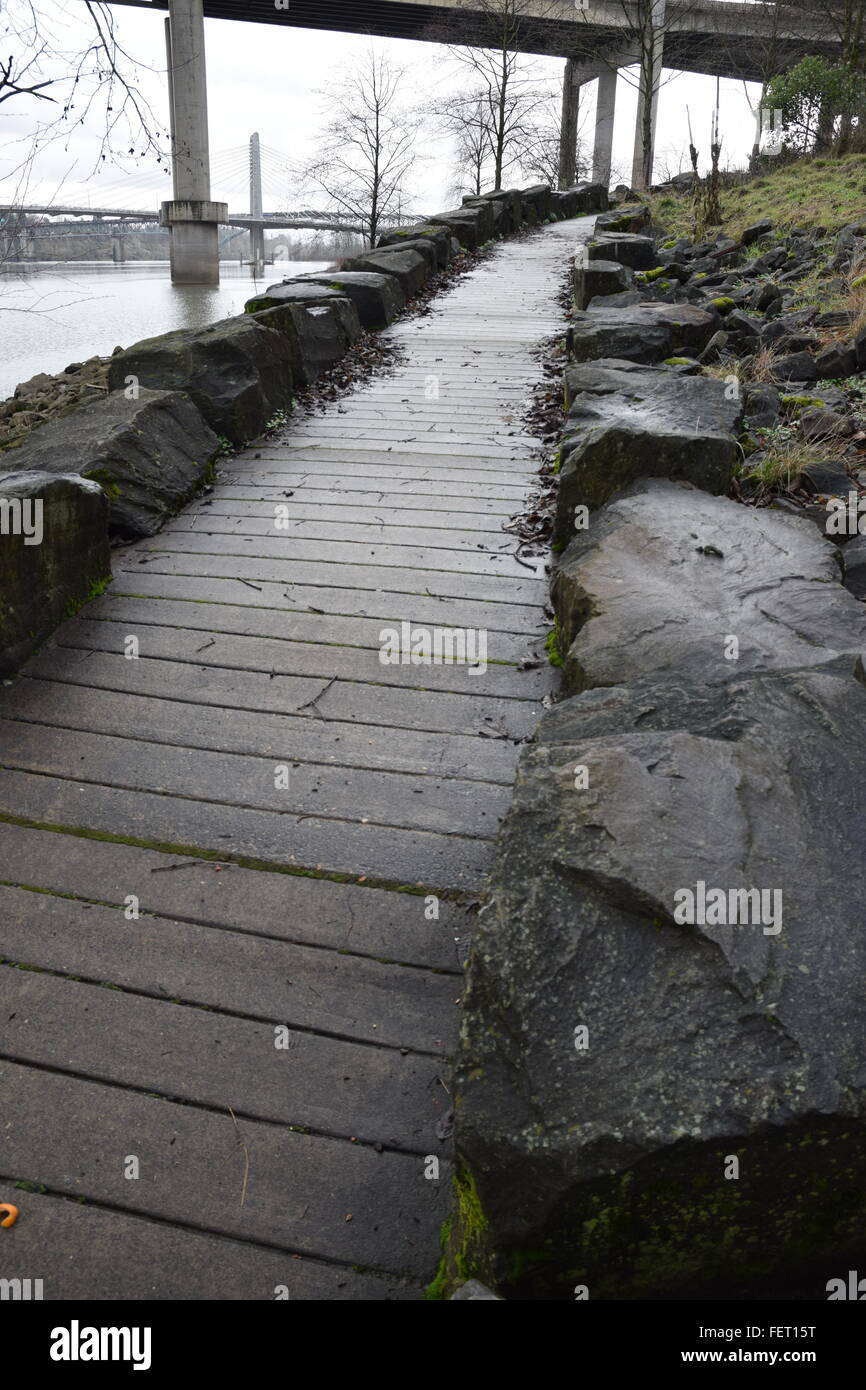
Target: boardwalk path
(155, 785)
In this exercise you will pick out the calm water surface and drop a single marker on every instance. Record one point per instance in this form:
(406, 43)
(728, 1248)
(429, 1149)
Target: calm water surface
(56, 313)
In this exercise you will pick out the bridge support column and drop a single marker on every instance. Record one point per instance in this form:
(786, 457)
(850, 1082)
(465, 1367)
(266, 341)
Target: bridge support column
(648, 97)
(571, 85)
(191, 217)
(605, 111)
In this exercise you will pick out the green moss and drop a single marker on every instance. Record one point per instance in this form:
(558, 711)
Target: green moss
(656, 274)
(97, 588)
(215, 856)
(796, 404)
(551, 646)
(723, 304)
(108, 484)
(437, 1289)
(677, 361)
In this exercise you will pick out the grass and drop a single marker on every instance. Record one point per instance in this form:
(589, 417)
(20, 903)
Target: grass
(759, 368)
(788, 456)
(807, 193)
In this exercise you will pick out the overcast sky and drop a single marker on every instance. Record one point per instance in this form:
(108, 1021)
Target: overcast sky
(266, 78)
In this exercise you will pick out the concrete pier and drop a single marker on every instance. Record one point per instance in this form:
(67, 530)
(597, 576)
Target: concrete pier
(191, 216)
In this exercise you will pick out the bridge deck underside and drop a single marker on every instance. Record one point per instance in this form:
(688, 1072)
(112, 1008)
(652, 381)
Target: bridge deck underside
(728, 54)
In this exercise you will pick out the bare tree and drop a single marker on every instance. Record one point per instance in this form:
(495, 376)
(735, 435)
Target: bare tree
(98, 78)
(540, 146)
(368, 146)
(465, 118)
(508, 86)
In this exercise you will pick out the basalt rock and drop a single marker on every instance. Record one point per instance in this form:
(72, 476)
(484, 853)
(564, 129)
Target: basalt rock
(665, 573)
(439, 236)
(53, 553)
(150, 455)
(409, 265)
(646, 333)
(615, 1057)
(635, 219)
(238, 372)
(377, 298)
(594, 278)
(626, 422)
(638, 252)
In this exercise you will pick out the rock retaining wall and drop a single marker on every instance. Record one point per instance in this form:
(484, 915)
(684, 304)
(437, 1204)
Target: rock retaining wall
(661, 1087)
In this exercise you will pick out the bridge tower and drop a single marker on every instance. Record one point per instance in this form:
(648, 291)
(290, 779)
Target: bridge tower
(257, 231)
(191, 216)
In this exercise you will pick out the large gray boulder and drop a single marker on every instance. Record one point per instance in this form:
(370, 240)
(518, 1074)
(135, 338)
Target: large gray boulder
(316, 336)
(648, 332)
(704, 1137)
(298, 290)
(627, 421)
(592, 279)
(463, 223)
(377, 298)
(409, 265)
(54, 553)
(512, 208)
(149, 454)
(537, 202)
(591, 197)
(489, 214)
(635, 219)
(639, 252)
(317, 322)
(439, 236)
(237, 371)
(665, 575)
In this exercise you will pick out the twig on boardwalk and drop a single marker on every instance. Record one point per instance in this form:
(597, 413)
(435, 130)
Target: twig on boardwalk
(246, 1156)
(311, 704)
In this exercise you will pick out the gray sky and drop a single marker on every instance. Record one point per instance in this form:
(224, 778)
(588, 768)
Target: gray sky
(265, 78)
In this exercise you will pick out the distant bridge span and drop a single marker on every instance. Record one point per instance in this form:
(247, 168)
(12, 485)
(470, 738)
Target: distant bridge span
(308, 219)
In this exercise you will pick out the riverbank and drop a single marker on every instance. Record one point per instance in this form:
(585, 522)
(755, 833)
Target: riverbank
(54, 314)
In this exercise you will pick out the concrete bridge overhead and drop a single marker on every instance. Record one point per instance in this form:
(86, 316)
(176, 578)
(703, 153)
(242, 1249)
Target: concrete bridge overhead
(553, 28)
(715, 37)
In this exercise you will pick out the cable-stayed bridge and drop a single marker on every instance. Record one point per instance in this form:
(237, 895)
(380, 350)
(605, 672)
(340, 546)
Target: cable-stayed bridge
(244, 173)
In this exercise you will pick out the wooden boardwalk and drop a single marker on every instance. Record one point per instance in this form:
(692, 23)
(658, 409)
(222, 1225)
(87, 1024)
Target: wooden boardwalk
(225, 1028)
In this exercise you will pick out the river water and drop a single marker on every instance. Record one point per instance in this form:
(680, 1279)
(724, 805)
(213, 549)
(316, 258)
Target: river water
(56, 313)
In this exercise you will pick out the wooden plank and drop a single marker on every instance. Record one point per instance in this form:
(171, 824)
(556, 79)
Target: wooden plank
(173, 721)
(299, 1188)
(392, 579)
(318, 1083)
(103, 1256)
(421, 801)
(303, 988)
(263, 522)
(220, 612)
(281, 545)
(288, 907)
(313, 697)
(276, 655)
(439, 863)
